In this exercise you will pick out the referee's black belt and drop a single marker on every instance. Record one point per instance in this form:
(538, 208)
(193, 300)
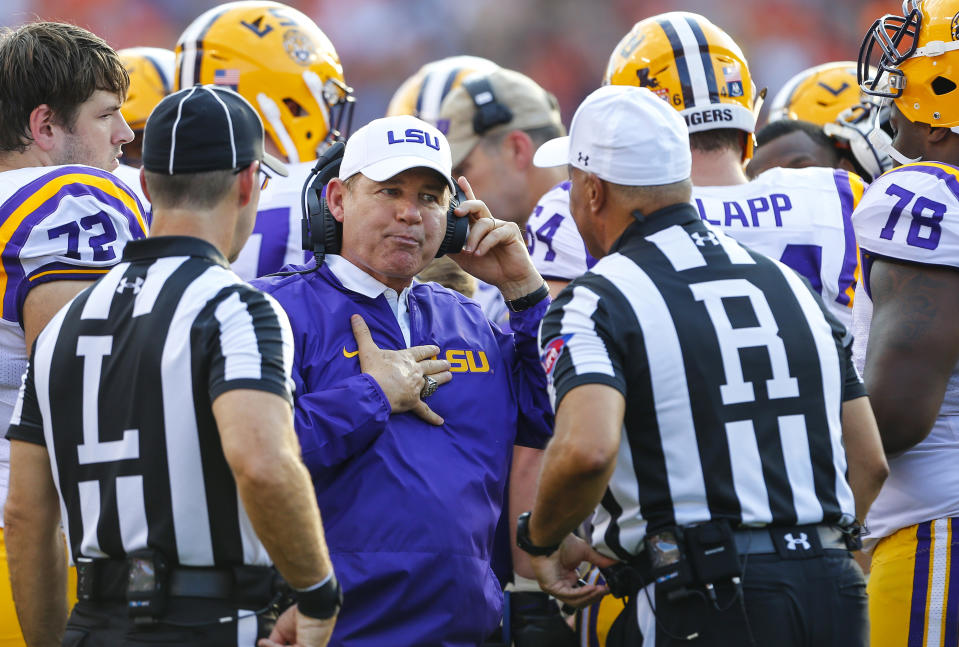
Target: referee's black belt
(799, 540)
(242, 585)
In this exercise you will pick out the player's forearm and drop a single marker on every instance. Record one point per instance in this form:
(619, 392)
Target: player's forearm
(864, 453)
(571, 485)
(522, 492)
(282, 507)
(38, 577)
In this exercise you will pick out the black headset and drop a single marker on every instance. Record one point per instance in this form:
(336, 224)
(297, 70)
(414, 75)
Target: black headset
(323, 234)
(489, 111)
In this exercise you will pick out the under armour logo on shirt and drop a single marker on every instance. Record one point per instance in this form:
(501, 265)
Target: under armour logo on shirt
(134, 285)
(792, 542)
(583, 159)
(703, 238)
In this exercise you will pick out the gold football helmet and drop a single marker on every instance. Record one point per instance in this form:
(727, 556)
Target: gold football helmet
(819, 94)
(692, 64)
(151, 78)
(281, 62)
(422, 94)
(918, 61)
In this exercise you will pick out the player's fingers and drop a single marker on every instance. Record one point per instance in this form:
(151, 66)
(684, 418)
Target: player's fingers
(465, 185)
(497, 236)
(361, 332)
(419, 353)
(478, 231)
(431, 366)
(423, 411)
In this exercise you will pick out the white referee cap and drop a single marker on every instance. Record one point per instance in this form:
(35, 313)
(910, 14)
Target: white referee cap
(624, 135)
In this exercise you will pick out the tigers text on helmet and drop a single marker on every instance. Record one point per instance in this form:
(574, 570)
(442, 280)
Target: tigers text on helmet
(151, 71)
(281, 62)
(917, 60)
(692, 64)
(422, 94)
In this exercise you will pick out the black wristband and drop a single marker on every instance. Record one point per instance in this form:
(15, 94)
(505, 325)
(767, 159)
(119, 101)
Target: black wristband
(530, 300)
(523, 541)
(323, 602)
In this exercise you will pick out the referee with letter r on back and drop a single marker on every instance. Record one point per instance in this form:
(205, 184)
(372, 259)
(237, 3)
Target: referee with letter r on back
(707, 412)
(156, 414)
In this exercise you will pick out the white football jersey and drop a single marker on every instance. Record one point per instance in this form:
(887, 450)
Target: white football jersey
(553, 240)
(801, 217)
(277, 237)
(130, 176)
(911, 214)
(56, 223)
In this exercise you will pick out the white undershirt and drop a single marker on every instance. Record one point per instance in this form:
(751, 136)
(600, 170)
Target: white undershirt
(356, 280)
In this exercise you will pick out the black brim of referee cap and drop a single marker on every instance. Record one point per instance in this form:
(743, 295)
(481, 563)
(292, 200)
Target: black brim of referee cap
(205, 128)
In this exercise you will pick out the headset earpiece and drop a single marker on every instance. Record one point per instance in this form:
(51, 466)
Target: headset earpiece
(322, 233)
(457, 227)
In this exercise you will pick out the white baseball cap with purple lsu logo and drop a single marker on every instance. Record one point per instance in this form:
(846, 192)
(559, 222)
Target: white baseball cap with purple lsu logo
(386, 147)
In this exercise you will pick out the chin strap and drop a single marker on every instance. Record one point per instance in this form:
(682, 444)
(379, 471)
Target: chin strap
(884, 144)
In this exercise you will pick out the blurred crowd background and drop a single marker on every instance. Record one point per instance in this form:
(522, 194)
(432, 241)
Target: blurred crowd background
(562, 44)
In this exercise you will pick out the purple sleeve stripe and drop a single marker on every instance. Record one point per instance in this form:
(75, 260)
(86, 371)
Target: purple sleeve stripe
(948, 174)
(952, 592)
(19, 221)
(920, 585)
(850, 259)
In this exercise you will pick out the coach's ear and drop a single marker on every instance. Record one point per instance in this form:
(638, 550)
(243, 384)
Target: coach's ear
(43, 127)
(335, 193)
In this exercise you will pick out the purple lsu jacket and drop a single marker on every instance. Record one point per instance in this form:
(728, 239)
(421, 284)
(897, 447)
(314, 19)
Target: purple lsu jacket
(409, 509)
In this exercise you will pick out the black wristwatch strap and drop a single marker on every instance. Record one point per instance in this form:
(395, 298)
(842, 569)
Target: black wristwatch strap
(323, 602)
(530, 300)
(523, 541)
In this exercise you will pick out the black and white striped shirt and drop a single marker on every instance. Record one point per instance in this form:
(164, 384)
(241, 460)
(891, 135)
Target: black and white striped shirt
(119, 389)
(733, 373)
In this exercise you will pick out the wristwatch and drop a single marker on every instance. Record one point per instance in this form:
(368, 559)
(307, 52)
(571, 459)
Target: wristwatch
(322, 602)
(523, 542)
(530, 300)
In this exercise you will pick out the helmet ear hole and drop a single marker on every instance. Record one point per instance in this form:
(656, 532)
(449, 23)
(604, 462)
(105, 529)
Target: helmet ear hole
(295, 108)
(941, 85)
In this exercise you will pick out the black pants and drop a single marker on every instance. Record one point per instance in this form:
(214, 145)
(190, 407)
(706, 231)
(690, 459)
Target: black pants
(818, 602)
(95, 624)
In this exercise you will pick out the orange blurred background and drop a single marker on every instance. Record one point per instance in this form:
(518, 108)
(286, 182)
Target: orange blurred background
(562, 44)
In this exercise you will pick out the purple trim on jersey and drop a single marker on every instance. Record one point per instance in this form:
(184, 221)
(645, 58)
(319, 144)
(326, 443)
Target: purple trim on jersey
(24, 287)
(273, 225)
(565, 185)
(952, 591)
(920, 585)
(847, 274)
(12, 299)
(948, 178)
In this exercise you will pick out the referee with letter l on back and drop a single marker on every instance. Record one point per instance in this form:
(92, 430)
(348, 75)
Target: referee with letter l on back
(156, 414)
(707, 412)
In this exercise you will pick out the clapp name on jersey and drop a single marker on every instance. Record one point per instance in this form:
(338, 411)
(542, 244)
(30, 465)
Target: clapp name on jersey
(771, 208)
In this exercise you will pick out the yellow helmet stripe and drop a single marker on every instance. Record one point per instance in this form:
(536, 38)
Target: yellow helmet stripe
(711, 85)
(680, 55)
(693, 50)
(158, 66)
(436, 85)
(192, 46)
